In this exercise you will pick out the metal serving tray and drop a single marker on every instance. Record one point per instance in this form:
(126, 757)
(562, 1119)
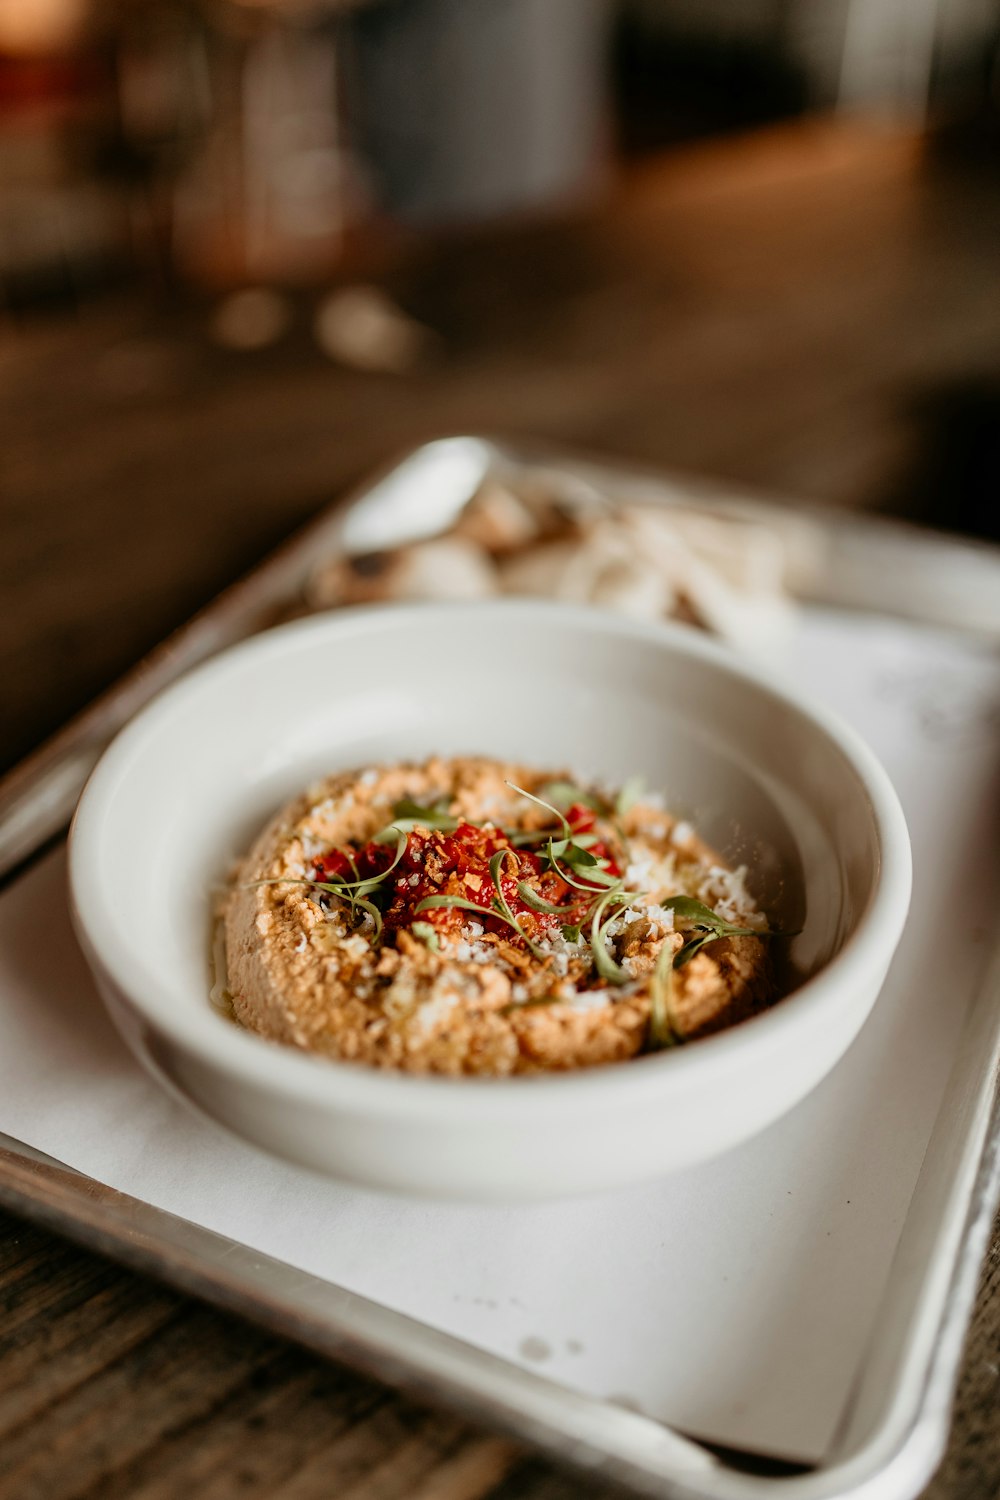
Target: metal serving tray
(895, 1427)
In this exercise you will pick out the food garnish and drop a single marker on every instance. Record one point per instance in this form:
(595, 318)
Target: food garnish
(663, 1030)
(543, 885)
(707, 926)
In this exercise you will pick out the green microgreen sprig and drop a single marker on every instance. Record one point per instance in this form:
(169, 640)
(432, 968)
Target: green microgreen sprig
(372, 882)
(569, 853)
(663, 1029)
(497, 862)
(407, 815)
(566, 793)
(629, 795)
(337, 885)
(346, 891)
(427, 933)
(707, 927)
(599, 878)
(531, 1003)
(531, 898)
(371, 910)
(560, 818)
(604, 911)
(570, 850)
(355, 892)
(430, 903)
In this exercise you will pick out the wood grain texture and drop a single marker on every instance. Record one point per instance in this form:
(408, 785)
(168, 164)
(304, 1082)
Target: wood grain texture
(772, 310)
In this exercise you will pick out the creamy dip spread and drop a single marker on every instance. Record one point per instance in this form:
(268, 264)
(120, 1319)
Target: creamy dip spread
(469, 916)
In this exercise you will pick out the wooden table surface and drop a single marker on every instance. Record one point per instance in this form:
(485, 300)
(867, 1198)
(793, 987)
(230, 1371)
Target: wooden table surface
(776, 309)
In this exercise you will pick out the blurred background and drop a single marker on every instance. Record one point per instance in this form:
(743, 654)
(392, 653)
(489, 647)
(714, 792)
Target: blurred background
(251, 248)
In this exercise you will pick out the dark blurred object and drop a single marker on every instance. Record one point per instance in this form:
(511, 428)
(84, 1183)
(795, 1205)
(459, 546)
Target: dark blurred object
(676, 80)
(61, 231)
(697, 67)
(953, 481)
(182, 137)
(966, 92)
(272, 187)
(234, 143)
(158, 53)
(467, 109)
(245, 141)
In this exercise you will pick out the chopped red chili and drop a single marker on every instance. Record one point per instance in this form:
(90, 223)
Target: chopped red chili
(457, 863)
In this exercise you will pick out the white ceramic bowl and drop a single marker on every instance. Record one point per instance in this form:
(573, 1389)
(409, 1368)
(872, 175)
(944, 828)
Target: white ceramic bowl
(784, 787)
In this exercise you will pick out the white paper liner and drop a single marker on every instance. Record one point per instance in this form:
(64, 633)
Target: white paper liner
(734, 1300)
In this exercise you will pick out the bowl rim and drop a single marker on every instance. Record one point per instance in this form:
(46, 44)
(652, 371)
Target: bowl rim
(282, 1071)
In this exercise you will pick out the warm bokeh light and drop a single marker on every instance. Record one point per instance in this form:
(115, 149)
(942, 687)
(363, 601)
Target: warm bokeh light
(31, 27)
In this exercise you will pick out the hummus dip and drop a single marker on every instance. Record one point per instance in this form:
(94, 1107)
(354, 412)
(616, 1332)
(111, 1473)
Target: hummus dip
(469, 916)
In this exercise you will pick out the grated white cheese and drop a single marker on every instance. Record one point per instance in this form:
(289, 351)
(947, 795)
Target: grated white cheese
(555, 942)
(726, 892)
(661, 917)
(433, 1011)
(622, 919)
(584, 1000)
(640, 874)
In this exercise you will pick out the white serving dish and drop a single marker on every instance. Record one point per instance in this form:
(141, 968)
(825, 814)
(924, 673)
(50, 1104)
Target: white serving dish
(770, 781)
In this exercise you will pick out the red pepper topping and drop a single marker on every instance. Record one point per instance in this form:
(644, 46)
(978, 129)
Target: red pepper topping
(581, 818)
(457, 863)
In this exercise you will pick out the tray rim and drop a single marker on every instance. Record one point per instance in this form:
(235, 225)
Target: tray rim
(895, 1460)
